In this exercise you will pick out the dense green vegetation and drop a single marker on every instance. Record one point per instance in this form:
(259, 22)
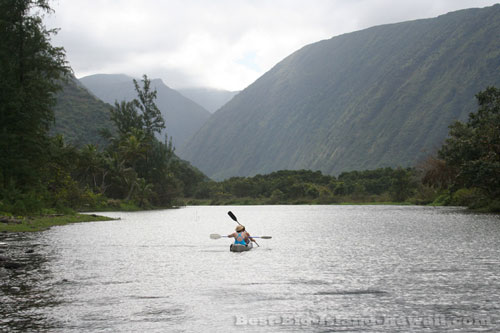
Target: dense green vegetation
(379, 97)
(134, 171)
(30, 69)
(40, 173)
(468, 164)
(312, 187)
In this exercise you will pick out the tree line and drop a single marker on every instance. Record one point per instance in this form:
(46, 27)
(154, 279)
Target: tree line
(42, 173)
(306, 186)
(465, 171)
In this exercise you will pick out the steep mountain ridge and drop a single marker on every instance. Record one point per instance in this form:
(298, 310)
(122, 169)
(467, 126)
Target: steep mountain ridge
(79, 115)
(383, 96)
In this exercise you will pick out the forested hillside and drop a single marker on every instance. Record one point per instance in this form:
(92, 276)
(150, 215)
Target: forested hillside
(380, 97)
(79, 115)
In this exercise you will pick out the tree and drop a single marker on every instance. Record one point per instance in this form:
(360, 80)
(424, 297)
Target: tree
(402, 185)
(30, 73)
(473, 148)
(133, 148)
(92, 169)
(152, 119)
(126, 118)
(436, 173)
(143, 169)
(141, 114)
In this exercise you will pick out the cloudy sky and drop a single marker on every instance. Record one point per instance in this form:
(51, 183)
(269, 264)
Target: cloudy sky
(224, 44)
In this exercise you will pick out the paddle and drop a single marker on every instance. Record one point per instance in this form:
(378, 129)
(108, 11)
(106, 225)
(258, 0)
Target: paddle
(217, 236)
(231, 215)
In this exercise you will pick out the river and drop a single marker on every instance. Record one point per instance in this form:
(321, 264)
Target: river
(327, 268)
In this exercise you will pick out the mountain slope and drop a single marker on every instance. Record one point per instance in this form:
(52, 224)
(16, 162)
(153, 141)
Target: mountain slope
(210, 99)
(383, 96)
(183, 117)
(79, 115)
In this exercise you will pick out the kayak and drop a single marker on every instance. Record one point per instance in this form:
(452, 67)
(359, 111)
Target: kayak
(240, 247)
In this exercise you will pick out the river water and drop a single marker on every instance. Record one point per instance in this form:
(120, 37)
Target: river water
(326, 269)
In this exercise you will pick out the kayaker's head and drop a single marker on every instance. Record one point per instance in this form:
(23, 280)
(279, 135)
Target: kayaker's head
(240, 228)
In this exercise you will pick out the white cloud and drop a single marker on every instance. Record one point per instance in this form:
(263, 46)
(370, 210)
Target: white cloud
(218, 43)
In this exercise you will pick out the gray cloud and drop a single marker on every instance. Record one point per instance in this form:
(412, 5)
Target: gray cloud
(219, 43)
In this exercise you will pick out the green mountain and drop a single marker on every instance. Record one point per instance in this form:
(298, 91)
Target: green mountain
(210, 99)
(183, 117)
(79, 115)
(379, 97)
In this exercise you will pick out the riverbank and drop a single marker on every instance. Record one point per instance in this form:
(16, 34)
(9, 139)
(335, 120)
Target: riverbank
(481, 206)
(43, 222)
(301, 201)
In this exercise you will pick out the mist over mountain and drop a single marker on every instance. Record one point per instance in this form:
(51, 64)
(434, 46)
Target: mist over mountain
(183, 117)
(210, 99)
(383, 96)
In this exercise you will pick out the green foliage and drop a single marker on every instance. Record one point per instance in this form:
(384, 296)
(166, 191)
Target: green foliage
(425, 195)
(125, 117)
(30, 72)
(138, 115)
(306, 186)
(136, 167)
(402, 186)
(135, 171)
(150, 114)
(277, 197)
(494, 206)
(469, 160)
(470, 197)
(473, 148)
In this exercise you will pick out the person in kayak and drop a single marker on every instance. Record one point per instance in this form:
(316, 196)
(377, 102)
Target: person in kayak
(241, 236)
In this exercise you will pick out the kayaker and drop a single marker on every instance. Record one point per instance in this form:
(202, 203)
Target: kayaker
(241, 236)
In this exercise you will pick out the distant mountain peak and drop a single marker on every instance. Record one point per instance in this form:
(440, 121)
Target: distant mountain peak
(210, 98)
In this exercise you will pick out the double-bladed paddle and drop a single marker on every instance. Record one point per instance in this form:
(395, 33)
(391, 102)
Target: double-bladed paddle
(232, 216)
(217, 236)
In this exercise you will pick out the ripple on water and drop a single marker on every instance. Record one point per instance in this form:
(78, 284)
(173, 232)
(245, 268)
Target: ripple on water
(151, 272)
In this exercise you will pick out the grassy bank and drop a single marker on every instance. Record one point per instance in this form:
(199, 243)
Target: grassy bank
(39, 223)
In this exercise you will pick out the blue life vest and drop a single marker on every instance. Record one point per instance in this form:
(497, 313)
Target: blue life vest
(242, 241)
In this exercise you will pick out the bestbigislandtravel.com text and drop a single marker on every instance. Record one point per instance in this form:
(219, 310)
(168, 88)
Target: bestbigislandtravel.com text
(330, 321)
